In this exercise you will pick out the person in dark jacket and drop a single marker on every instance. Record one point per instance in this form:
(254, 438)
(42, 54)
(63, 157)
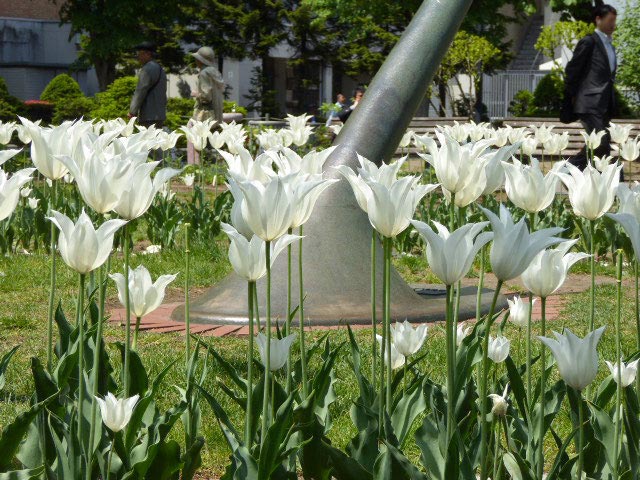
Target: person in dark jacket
(149, 102)
(589, 82)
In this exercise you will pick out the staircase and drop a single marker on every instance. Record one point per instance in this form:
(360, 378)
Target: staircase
(528, 57)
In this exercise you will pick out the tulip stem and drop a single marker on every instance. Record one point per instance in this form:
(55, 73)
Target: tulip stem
(480, 283)
(543, 385)
(528, 347)
(592, 297)
(127, 308)
(617, 417)
(580, 446)
(637, 312)
(113, 447)
(303, 347)
(256, 310)
(247, 423)
(187, 309)
(267, 367)
(452, 213)
(451, 355)
(592, 292)
(287, 324)
(52, 284)
(81, 386)
(134, 344)
(484, 410)
(374, 321)
(387, 315)
(95, 370)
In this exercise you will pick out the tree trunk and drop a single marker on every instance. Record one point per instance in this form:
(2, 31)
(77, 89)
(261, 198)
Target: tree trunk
(105, 71)
(442, 95)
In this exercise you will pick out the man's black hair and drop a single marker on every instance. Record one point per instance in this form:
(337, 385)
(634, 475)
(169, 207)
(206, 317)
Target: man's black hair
(602, 11)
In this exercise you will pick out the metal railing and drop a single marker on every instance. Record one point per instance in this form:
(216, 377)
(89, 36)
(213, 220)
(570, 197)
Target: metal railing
(499, 89)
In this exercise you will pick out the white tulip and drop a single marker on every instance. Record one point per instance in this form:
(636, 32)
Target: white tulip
(116, 413)
(577, 358)
(25, 192)
(33, 203)
(241, 165)
(169, 140)
(248, 257)
(390, 209)
(494, 171)
(556, 143)
(234, 135)
(139, 190)
(500, 404)
(498, 348)
(548, 270)
(278, 352)
(6, 132)
(527, 187)
(307, 191)
(188, 179)
(450, 255)
(591, 193)
(629, 150)
(462, 331)
(82, 247)
(631, 227)
(8, 154)
(454, 164)
(270, 139)
(406, 139)
(542, 133)
(517, 135)
(101, 177)
(397, 359)
(458, 131)
(198, 133)
(626, 373)
(619, 133)
(406, 339)
(268, 209)
(629, 199)
(144, 296)
(513, 246)
(601, 163)
(593, 139)
(519, 311)
(10, 190)
(529, 146)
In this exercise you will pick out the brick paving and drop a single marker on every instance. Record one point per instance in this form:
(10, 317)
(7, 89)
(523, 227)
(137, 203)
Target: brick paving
(160, 321)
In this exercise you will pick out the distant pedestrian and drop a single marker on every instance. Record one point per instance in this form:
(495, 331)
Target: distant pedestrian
(339, 106)
(358, 93)
(149, 102)
(589, 83)
(209, 94)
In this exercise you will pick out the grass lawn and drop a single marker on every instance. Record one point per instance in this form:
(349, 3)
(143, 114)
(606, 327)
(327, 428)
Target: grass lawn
(24, 281)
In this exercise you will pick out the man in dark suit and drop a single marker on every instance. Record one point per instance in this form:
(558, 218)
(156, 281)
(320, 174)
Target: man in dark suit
(589, 82)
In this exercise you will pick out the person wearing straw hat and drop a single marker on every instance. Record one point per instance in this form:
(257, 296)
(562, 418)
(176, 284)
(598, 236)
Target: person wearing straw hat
(209, 95)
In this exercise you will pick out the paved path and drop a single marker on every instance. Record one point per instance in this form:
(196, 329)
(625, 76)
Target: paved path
(160, 321)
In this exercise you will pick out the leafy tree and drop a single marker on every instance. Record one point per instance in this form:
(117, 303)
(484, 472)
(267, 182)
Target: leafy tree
(561, 34)
(110, 28)
(576, 9)
(627, 39)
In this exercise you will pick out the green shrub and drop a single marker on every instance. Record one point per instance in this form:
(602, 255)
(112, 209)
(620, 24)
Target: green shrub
(39, 110)
(230, 107)
(115, 100)
(548, 95)
(522, 104)
(72, 109)
(10, 106)
(61, 89)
